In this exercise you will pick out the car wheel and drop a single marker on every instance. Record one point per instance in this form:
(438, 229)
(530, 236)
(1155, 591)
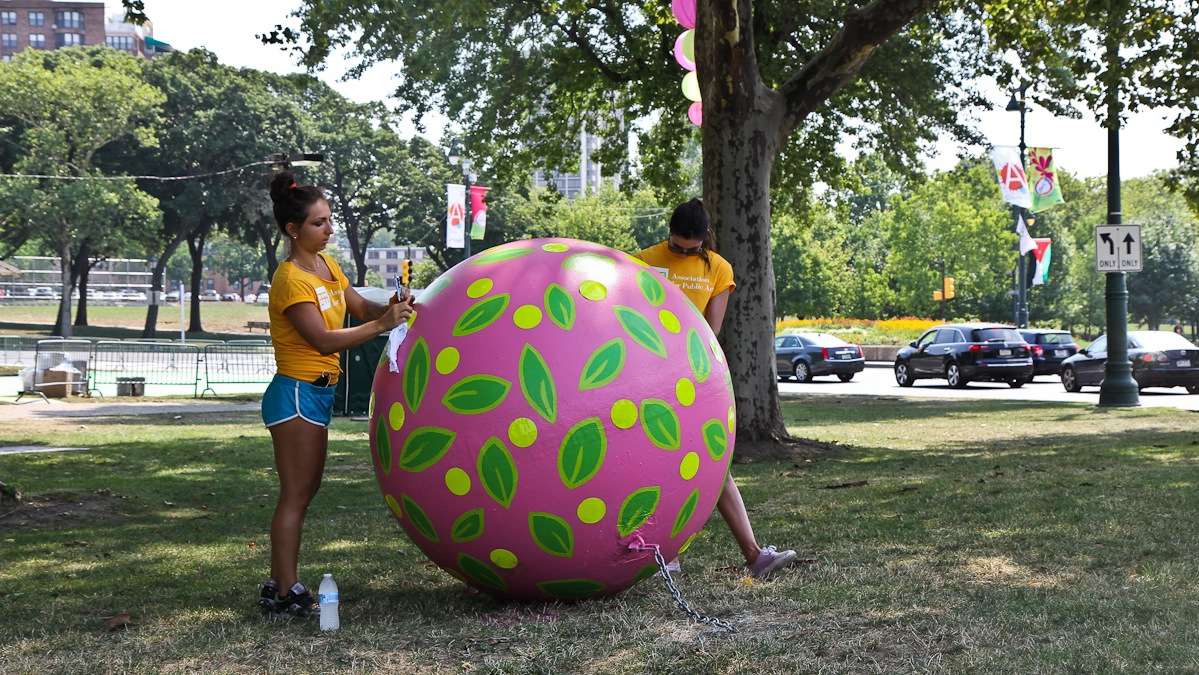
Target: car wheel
(802, 372)
(1070, 380)
(903, 374)
(953, 375)
(845, 377)
(1193, 388)
(1016, 384)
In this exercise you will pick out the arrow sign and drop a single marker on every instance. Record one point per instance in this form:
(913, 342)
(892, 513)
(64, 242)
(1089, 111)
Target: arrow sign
(1111, 245)
(1112, 258)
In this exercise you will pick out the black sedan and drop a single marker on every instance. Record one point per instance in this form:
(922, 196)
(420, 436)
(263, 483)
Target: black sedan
(1049, 349)
(807, 355)
(960, 353)
(1159, 359)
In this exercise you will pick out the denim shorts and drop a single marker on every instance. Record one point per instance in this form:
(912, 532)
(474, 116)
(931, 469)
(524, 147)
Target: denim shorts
(287, 398)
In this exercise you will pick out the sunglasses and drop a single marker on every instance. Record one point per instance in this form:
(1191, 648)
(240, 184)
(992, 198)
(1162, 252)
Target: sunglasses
(694, 250)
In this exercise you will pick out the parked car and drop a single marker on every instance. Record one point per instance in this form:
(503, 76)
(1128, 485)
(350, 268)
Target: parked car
(250, 298)
(1049, 349)
(1159, 359)
(132, 295)
(231, 297)
(263, 298)
(960, 353)
(210, 296)
(171, 296)
(807, 355)
(41, 292)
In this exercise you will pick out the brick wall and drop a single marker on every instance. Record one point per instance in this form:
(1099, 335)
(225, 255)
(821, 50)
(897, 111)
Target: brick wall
(92, 31)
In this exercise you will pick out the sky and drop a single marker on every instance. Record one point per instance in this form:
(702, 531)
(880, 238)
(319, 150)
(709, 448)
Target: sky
(227, 28)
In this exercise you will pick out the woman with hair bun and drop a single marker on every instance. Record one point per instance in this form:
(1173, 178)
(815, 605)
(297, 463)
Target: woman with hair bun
(688, 257)
(309, 298)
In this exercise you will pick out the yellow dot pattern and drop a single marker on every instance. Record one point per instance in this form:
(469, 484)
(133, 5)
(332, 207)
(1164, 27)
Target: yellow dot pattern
(624, 414)
(479, 287)
(522, 432)
(593, 290)
(716, 350)
(555, 248)
(684, 391)
(527, 316)
(689, 466)
(732, 420)
(370, 408)
(503, 558)
(591, 510)
(447, 360)
(669, 321)
(395, 416)
(457, 481)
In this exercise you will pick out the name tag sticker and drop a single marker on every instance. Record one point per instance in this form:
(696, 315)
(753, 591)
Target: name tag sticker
(665, 272)
(323, 299)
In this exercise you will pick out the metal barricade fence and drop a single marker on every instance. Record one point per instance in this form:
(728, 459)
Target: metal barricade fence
(60, 368)
(238, 364)
(158, 363)
(18, 350)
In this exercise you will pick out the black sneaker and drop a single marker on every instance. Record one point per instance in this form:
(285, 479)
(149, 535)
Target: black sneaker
(268, 597)
(298, 603)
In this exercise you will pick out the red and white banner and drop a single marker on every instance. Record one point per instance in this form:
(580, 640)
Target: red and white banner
(478, 211)
(455, 216)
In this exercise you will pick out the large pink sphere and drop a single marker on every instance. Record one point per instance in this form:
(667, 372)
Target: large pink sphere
(559, 406)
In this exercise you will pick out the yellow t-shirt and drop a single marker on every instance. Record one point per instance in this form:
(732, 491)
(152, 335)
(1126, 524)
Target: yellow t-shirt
(294, 357)
(698, 281)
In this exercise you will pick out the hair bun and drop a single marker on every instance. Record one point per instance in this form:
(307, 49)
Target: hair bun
(281, 185)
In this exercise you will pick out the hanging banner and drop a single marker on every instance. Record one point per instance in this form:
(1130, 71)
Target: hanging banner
(1042, 174)
(1043, 254)
(478, 211)
(1027, 243)
(455, 216)
(1013, 183)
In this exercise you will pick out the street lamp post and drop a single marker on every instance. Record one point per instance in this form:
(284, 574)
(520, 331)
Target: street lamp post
(1018, 105)
(1118, 388)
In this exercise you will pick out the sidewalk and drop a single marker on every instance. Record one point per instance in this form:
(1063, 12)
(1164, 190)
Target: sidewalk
(57, 409)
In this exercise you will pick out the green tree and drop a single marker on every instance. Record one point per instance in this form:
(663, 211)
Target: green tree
(1163, 291)
(955, 217)
(61, 136)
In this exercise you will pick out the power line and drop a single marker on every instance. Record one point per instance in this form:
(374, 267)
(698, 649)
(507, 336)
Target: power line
(126, 178)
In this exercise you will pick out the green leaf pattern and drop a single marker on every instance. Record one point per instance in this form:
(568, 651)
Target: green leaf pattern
(424, 447)
(419, 519)
(537, 384)
(651, 288)
(383, 444)
(468, 526)
(640, 330)
(637, 508)
(476, 394)
(685, 513)
(481, 315)
(715, 438)
(661, 424)
(603, 366)
(560, 307)
(497, 472)
(701, 365)
(552, 534)
(582, 452)
(416, 375)
(481, 573)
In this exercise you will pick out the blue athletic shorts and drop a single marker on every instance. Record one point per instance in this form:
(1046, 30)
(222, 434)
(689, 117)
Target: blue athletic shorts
(288, 398)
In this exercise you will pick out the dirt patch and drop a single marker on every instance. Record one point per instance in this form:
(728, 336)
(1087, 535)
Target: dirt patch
(56, 510)
(748, 452)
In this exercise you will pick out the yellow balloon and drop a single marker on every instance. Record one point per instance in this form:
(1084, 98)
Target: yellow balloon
(691, 86)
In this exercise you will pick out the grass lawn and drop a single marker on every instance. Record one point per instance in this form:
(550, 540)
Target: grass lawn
(988, 537)
(111, 321)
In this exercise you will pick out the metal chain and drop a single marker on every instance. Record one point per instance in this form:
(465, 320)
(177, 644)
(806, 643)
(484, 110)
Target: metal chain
(678, 596)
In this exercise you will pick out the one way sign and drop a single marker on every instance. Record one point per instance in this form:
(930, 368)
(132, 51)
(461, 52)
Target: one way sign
(1118, 248)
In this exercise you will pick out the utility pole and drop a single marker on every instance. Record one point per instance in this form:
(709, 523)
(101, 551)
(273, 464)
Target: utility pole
(1018, 105)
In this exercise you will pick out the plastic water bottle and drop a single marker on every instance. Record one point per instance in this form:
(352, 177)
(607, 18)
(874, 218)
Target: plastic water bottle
(328, 598)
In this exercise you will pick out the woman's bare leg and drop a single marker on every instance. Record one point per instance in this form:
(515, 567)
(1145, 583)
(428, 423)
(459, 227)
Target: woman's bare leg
(732, 509)
(300, 449)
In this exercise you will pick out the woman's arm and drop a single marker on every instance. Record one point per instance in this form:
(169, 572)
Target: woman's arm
(361, 308)
(311, 326)
(714, 313)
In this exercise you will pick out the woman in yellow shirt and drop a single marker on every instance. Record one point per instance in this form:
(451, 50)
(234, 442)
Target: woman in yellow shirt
(309, 298)
(688, 257)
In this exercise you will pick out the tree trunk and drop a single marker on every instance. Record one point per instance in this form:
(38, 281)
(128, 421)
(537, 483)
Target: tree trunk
(62, 327)
(742, 121)
(83, 268)
(157, 287)
(269, 235)
(195, 248)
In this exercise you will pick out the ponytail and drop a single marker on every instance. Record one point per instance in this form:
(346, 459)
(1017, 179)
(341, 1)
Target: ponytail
(291, 201)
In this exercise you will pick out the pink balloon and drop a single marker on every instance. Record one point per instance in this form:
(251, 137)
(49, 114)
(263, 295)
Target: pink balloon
(684, 12)
(680, 50)
(696, 113)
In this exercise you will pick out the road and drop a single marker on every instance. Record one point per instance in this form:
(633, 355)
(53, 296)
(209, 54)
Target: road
(878, 381)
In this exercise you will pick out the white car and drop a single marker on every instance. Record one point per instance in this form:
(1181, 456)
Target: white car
(250, 298)
(231, 297)
(130, 295)
(210, 296)
(172, 296)
(263, 298)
